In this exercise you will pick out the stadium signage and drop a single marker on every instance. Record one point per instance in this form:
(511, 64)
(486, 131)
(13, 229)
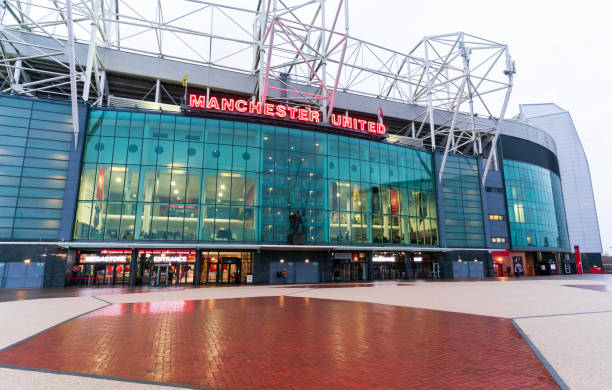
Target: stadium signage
(283, 111)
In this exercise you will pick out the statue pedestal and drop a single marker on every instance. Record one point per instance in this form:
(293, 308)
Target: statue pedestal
(297, 239)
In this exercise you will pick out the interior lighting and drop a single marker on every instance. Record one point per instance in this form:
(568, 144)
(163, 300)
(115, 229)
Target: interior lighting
(173, 183)
(27, 261)
(282, 260)
(220, 194)
(307, 261)
(118, 180)
(222, 186)
(176, 191)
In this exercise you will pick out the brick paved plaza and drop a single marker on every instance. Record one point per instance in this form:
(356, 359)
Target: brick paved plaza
(504, 334)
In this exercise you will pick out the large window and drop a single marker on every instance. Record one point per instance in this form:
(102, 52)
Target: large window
(167, 177)
(462, 202)
(535, 206)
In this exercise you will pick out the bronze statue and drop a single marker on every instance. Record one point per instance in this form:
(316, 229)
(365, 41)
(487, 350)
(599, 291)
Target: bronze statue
(296, 235)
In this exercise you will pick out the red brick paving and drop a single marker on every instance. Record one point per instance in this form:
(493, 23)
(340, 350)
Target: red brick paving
(288, 343)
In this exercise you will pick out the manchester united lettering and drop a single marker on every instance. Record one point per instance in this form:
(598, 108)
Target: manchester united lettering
(282, 111)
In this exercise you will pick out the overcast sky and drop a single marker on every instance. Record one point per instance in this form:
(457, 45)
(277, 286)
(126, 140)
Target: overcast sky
(562, 54)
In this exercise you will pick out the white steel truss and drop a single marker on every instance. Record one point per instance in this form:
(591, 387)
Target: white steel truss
(457, 85)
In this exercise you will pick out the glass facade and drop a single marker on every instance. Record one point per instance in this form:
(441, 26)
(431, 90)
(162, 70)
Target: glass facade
(149, 176)
(535, 206)
(462, 202)
(35, 142)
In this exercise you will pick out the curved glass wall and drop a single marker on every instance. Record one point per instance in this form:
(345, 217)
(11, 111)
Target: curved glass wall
(535, 206)
(462, 202)
(170, 177)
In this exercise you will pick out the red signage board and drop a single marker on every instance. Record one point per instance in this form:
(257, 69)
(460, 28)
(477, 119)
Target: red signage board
(283, 111)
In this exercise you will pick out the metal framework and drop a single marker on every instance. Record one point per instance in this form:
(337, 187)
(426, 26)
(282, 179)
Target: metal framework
(455, 87)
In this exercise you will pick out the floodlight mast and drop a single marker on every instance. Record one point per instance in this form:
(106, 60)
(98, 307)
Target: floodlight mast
(298, 52)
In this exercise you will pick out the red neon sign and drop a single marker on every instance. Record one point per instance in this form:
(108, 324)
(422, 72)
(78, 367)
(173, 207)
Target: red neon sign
(282, 111)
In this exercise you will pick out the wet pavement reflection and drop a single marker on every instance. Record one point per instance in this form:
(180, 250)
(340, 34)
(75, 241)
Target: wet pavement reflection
(20, 294)
(287, 342)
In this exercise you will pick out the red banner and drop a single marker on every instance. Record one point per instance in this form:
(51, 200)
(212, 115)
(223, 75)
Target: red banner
(394, 207)
(578, 261)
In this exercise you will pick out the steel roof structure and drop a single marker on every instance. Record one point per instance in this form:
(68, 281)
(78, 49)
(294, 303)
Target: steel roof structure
(450, 92)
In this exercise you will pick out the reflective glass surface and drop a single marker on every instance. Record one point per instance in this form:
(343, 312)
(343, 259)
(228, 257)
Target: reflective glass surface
(462, 202)
(535, 206)
(168, 177)
(35, 141)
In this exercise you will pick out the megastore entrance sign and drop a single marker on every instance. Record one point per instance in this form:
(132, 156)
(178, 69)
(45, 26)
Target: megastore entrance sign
(283, 111)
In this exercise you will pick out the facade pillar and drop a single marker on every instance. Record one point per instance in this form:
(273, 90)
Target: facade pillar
(133, 268)
(197, 269)
(370, 266)
(408, 265)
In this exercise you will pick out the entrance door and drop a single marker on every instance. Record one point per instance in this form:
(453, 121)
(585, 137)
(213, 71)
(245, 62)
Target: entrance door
(223, 273)
(184, 273)
(212, 272)
(229, 273)
(498, 269)
(159, 275)
(388, 271)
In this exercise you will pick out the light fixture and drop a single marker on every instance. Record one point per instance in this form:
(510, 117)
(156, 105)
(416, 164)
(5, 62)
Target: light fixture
(173, 183)
(118, 180)
(220, 194)
(307, 261)
(176, 191)
(222, 186)
(265, 138)
(27, 261)
(282, 260)
(475, 260)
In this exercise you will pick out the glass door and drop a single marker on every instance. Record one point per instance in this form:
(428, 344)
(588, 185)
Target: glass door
(235, 273)
(224, 273)
(160, 275)
(212, 272)
(184, 273)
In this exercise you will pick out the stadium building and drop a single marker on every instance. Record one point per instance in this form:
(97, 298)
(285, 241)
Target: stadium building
(201, 143)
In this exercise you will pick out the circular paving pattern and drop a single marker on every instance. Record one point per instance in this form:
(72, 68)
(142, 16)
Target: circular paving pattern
(287, 342)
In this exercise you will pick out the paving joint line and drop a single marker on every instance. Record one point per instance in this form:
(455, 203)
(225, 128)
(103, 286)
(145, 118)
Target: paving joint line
(541, 357)
(562, 314)
(103, 300)
(52, 326)
(304, 289)
(104, 377)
